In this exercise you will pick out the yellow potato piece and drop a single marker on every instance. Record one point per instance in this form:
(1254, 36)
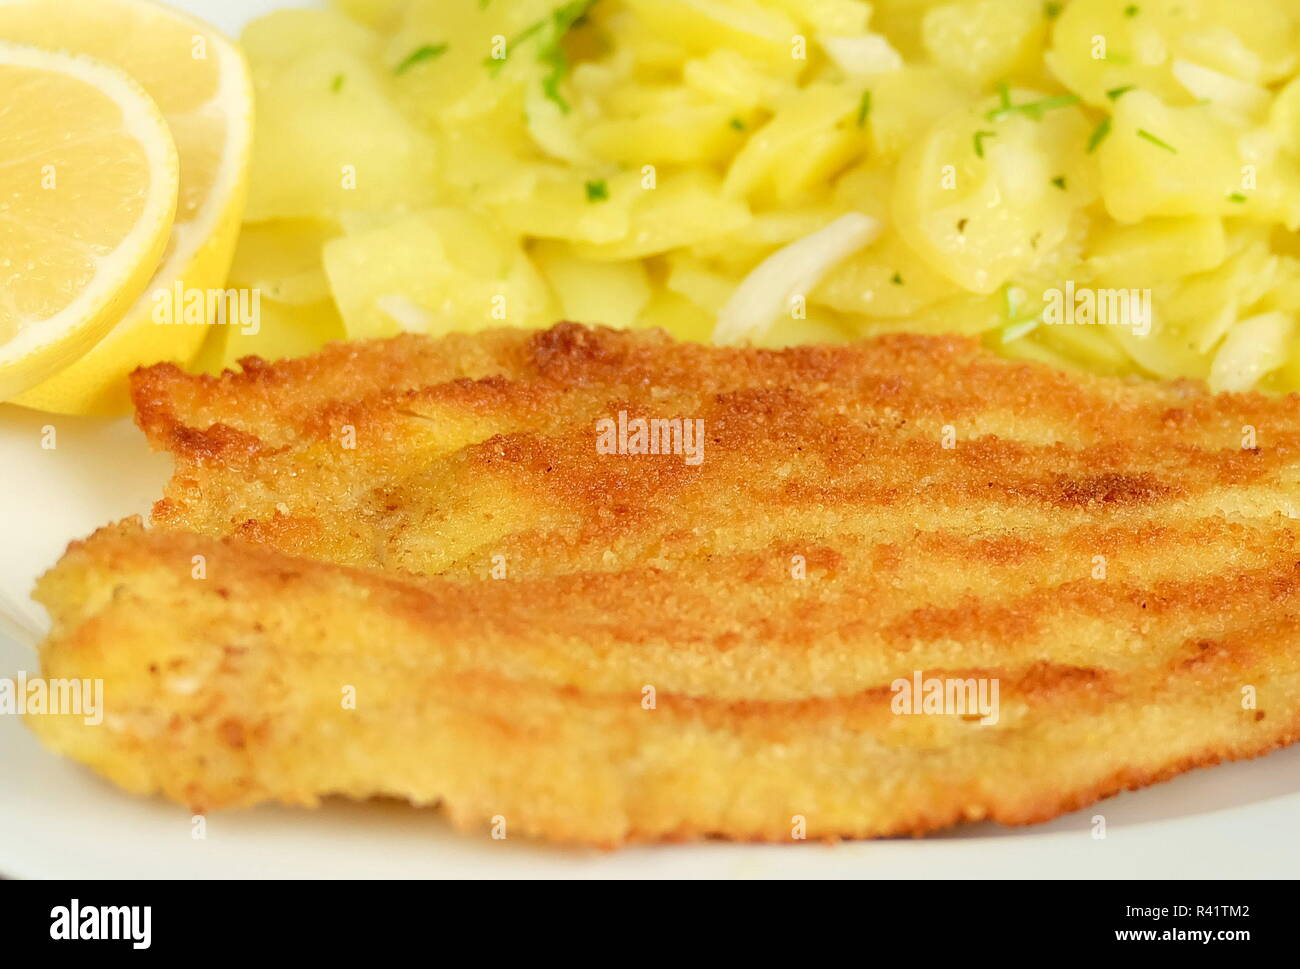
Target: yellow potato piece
(1157, 251)
(633, 161)
(684, 209)
(329, 136)
(985, 40)
(282, 330)
(433, 272)
(283, 260)
(978, 198)
(702, 25)
(888, 279)
(608, 293)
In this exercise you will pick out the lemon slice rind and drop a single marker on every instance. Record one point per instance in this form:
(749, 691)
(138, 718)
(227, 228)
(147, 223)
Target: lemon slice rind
(122, 275)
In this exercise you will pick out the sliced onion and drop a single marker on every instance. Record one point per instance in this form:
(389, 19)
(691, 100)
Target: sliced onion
(1223, 91)
(409, 315)
(863, 56)
(1252, 349)
(766, 292)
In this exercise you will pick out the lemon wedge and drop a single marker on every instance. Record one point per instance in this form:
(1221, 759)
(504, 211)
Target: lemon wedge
(201, 83)
(88, 186)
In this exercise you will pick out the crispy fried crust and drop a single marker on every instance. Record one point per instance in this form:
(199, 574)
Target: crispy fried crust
(1109, 552)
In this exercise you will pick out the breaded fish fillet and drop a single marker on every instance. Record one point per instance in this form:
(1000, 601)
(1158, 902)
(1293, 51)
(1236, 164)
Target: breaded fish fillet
(405, 568)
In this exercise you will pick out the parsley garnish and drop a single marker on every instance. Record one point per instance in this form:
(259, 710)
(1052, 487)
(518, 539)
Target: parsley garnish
(1143, 133)
(737, 124)
(864, 108)
(336, 85)
(1004, 96)
(496, 63)
(896, 279)
(1132, 10)
(1099, 134)
(1059, 182)
(551, 31)
(1116, 93)
(1016, 330)
(426, 53)
(1009, 302)
(1051, 10)
(1033, 109)
(979, 141)
(597, 191)
(1236, 197)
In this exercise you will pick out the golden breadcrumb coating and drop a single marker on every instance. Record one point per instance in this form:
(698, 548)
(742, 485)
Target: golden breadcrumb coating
(610, 647)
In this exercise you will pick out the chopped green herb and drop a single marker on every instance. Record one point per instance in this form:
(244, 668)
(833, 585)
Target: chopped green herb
(1059, 182)
(864, 108)
(1004, 96)
(551, 50)
(336, 85)
(979, 141)
(1016, 330)
(1051, 10)
(597, 191)
(495, 63)
(961, 224)
(1116, 93)
(1236, 197)
(1143, 133)
(1033, 109)
(737, 124)
(426, 53)
(1132, 10)
(896, 279)
(1009, 302)
(550, 31)
(1099, 134)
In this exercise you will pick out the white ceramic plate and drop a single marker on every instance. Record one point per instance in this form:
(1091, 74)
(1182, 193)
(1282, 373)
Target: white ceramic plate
(58, 820)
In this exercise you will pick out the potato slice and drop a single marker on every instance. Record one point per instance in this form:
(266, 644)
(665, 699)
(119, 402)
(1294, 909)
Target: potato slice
(283, 260)
(981, 199)
(985, 40)
(680, 210)
(905, 103)
(574, 206)
(283, 330)
(329, 137)
(703, 25)
(604, 293)
(806, 127)
(683, 133)
(887, 279)
(1165, 161)
(1157, 251)
(1100, 46)
(434, 272)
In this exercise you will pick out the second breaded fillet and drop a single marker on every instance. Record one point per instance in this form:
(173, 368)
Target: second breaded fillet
(406, 568)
